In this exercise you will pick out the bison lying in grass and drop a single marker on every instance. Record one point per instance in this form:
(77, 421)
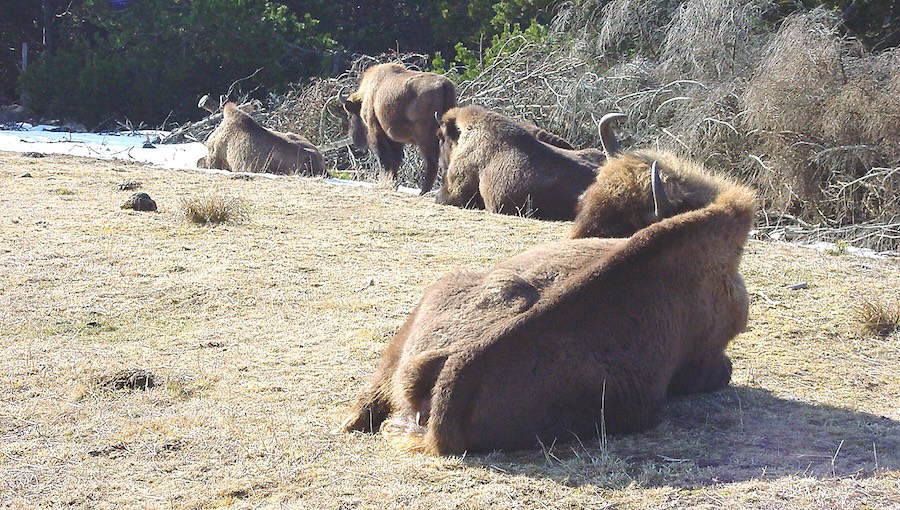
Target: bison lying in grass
(620, 201)
(489, 161)
(568, 338)
(240, 144)
(394, 106)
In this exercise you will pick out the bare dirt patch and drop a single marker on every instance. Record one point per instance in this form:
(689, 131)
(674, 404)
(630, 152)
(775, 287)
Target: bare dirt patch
(260, 333)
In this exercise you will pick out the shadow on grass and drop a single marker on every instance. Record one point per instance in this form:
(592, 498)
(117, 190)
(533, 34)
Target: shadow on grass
(736, 434)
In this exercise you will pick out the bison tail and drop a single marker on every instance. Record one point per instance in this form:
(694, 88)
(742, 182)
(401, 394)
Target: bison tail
(449, 97)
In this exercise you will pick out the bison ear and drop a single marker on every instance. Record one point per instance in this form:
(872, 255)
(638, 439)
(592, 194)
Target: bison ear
(451, 130)
(353, 106)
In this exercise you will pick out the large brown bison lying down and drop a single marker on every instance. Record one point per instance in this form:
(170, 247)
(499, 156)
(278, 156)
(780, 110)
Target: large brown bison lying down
(490, 161)
(240, 144)
(567, 339)
(394, 106)
(620, 201)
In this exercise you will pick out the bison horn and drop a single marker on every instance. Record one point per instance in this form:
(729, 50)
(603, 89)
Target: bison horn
(607, 137)
(207, 103)
(662, 208)
(341, 96)
(437, 117)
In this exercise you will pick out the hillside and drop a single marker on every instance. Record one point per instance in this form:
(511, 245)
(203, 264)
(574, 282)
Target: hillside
(256, 336)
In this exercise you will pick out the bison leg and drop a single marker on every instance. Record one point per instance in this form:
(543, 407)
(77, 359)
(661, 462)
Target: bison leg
(430, 152)
(390, 154)
(373, 405)
(701, 376)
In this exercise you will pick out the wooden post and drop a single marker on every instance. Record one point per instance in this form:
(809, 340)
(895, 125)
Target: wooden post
(24, 100)
(49, 19)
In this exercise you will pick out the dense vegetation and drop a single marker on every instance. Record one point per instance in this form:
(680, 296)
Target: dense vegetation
(96, 61)
(148, 60)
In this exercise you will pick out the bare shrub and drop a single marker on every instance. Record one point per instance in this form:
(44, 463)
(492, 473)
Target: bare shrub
(618, 27)
(828, 115)
(712, 40)
(214, 208)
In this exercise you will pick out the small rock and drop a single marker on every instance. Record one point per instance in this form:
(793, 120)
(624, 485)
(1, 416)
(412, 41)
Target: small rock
(140, 202)
(148, 145)
(25, 175)
(33, 154)
(129, 185)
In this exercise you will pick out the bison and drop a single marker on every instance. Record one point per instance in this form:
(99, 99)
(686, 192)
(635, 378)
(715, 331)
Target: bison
(620, 201)
(240, 144)
(394, 106)
(490, 161)
(568, 339)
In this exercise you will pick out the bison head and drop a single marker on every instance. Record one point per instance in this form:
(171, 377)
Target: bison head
(637, 189)
(448, 138)
(357, 131)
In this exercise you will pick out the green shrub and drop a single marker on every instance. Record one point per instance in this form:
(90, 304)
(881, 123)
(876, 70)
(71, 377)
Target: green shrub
(155, 57)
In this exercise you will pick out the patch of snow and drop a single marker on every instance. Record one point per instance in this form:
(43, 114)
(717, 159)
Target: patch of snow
(126, 145)
(130, 146)
(827, 247)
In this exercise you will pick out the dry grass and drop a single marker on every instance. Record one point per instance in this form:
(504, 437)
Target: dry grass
(212, 208)
(259, 334)
(878, 316)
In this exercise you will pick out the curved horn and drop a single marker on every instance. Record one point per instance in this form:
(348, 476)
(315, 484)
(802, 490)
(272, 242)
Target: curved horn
(437, 117)
(341, 96)
(607, 137)
(207, 103)
(662, 208)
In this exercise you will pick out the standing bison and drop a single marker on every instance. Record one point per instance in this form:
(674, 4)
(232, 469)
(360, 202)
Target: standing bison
(567, 339)
(620, 201)
(490, 161)
(394, 106)
(240, 144)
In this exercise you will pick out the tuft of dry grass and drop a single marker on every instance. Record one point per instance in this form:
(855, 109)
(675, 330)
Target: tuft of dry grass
(212, 208)
(878, 316)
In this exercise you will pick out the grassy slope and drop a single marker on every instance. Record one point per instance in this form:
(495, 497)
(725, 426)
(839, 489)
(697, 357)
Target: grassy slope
(261, 333)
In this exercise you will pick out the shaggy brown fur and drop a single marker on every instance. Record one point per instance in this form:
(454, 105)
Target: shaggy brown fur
(620, 201)
(394, 106)
(568, 338)
(240, 144)
(493, 162)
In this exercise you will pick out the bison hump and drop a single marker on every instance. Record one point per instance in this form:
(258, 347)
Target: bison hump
(506, 289)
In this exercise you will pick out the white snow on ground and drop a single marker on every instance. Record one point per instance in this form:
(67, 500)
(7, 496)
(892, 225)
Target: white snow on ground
(127, 146)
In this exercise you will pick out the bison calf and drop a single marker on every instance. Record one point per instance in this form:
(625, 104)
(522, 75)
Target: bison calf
(490, 161)
(240, 144)
(394, 106)
(568, 338)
